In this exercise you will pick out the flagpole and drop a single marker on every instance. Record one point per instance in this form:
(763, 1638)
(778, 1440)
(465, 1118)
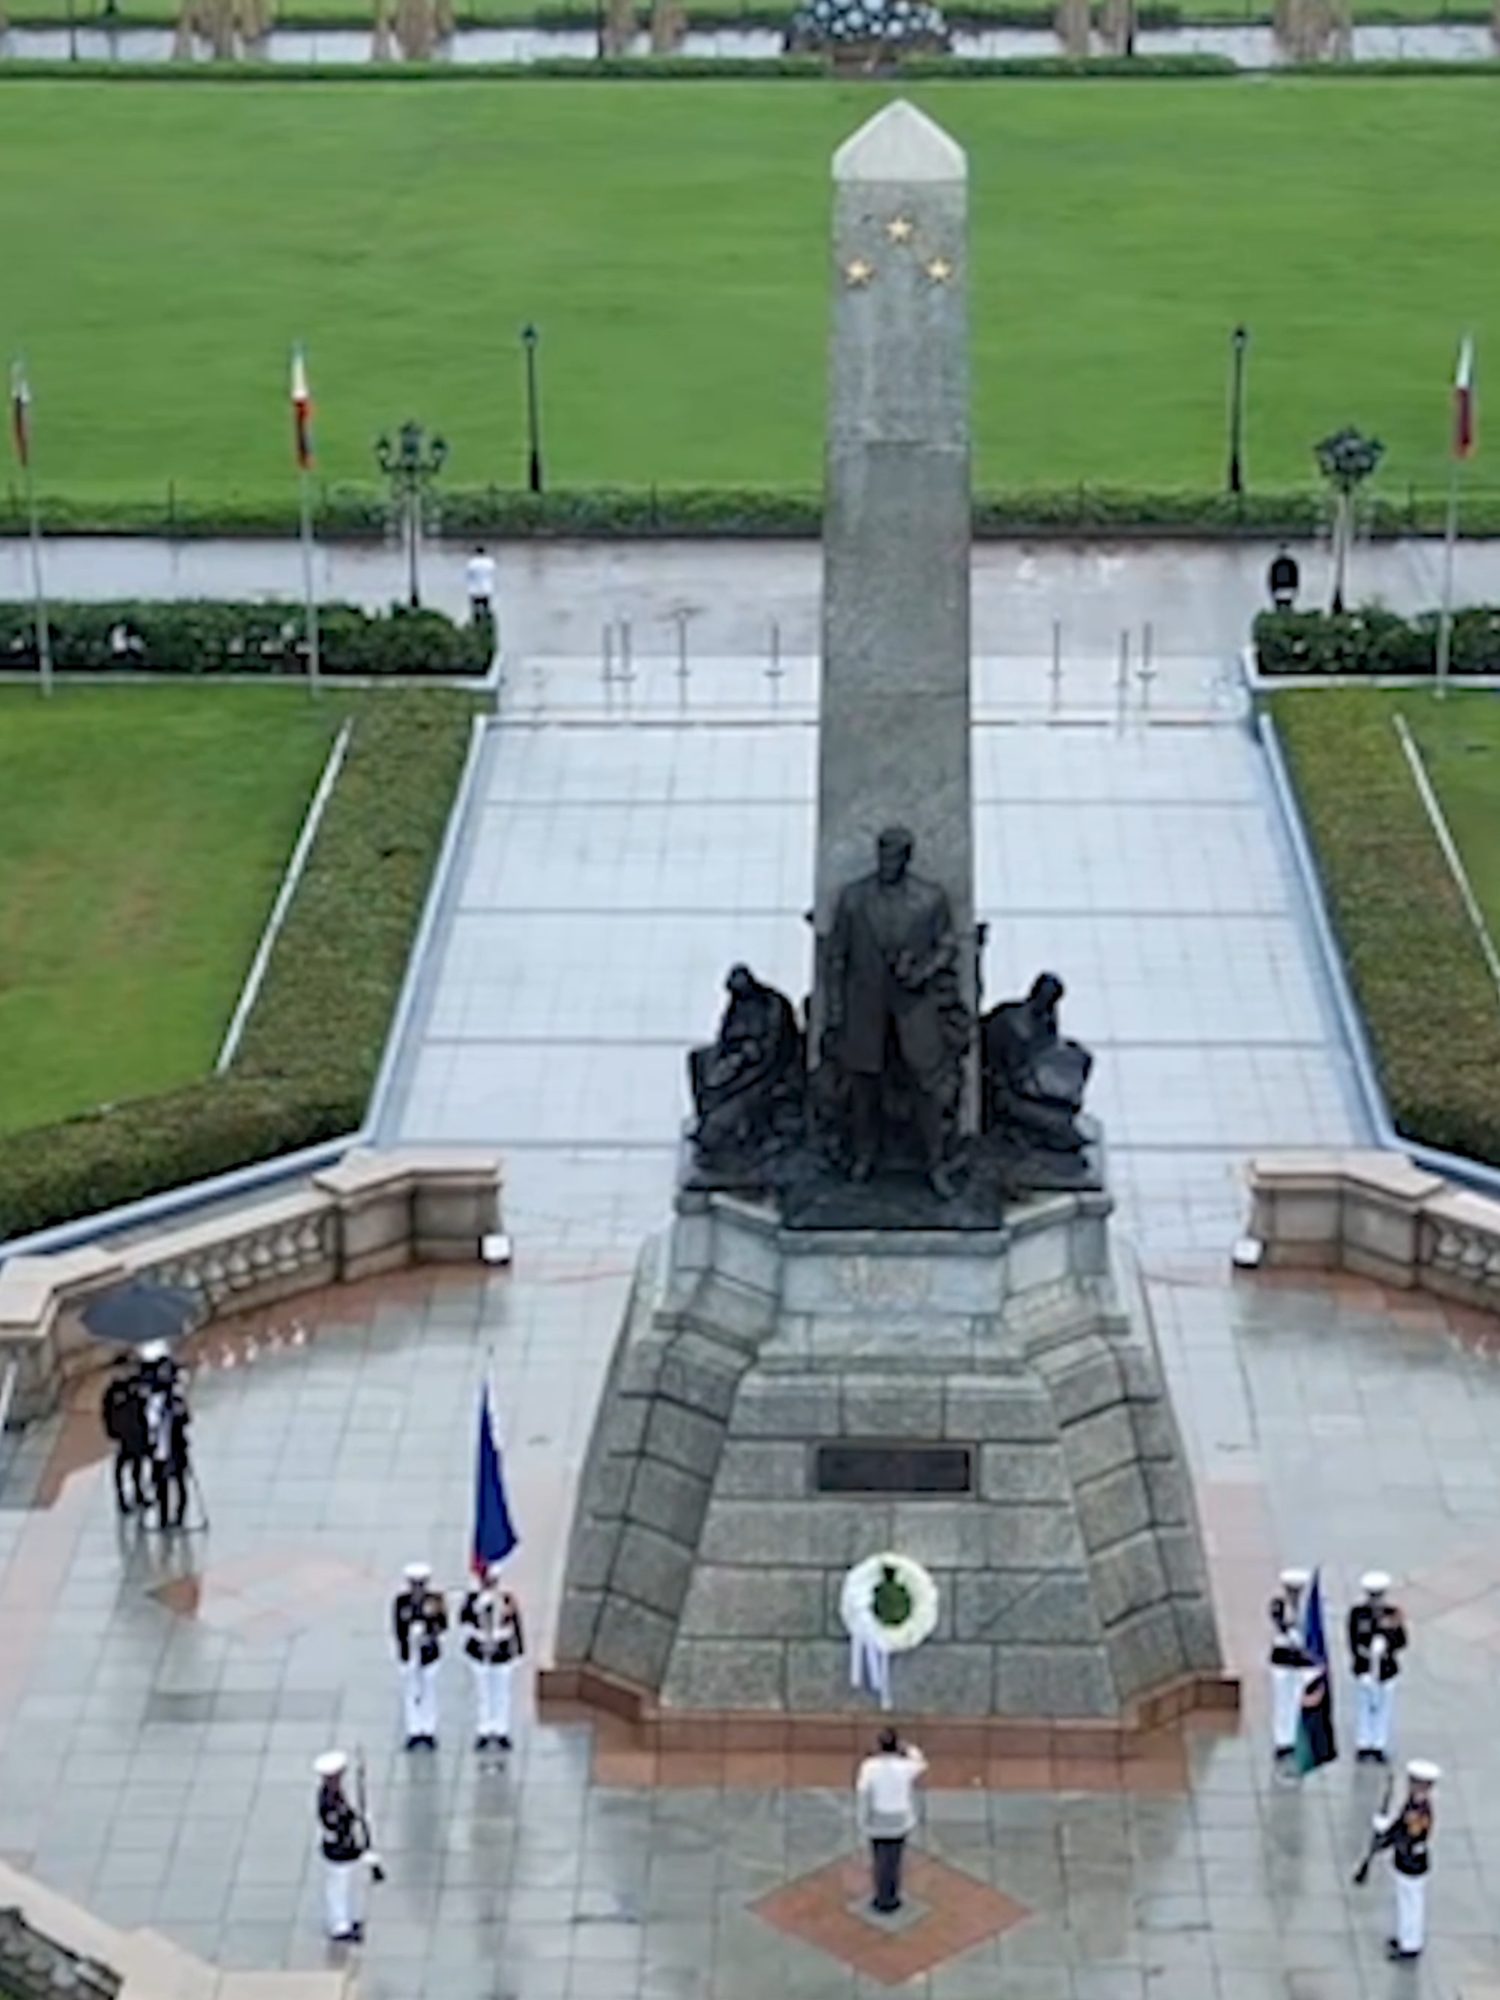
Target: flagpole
(302, 434)
(1463, 444)
(1445, 619)
(308, 591)
(20, 419)
(43, 636)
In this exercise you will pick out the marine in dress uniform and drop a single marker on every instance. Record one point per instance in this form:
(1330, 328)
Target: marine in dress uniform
(1377, 1639)
(419, 1618)
(494, 1644)
(345, 1835)
(1408, 1834)
(1289, 1659)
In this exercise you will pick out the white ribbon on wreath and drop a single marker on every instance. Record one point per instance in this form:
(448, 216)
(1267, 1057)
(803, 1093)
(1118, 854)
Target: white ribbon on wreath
(873, 1639)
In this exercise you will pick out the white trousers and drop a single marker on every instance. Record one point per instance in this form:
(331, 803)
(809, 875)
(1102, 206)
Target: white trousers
(1411, 1911)
(1286, 1705)
(1374, 1700)
(492, 1696)
(419, 1697)
(340, 1896)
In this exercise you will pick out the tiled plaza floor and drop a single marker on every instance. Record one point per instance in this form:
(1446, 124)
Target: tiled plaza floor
(160, 1707)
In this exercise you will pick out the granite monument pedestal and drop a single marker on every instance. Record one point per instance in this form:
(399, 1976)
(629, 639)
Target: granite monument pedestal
(784, 1404)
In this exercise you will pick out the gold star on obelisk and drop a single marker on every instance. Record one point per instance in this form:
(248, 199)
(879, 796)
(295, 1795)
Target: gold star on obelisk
(939, 270)
(858, 271)
(899, 229)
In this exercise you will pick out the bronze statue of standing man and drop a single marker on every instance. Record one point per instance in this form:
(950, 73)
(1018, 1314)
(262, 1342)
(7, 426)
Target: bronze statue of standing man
(892, 992)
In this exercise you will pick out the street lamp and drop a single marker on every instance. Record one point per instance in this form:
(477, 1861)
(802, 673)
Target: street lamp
(411, 464)
(529, 339)
(1239, 341)
(1346, 460)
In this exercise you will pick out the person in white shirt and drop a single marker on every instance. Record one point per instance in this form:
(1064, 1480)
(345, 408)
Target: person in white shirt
(886, 1803)
(479, 581)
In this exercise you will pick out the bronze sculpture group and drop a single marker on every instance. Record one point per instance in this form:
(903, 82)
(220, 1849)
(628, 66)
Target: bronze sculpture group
(879, 1093)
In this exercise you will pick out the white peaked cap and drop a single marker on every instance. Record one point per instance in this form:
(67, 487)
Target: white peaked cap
(1296, 1579)
(492, 1572)
(332, 1764)
(1421, 1772)
(417, 1572)
(1374, 1581)
(154, 1350)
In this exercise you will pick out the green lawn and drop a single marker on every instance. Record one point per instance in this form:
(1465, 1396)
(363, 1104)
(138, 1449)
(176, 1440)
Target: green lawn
(162, 244)
(1459, 738)
(142, 836)
(1423, 988)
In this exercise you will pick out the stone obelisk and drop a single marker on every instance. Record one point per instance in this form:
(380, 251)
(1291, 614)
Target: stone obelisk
(894, 731)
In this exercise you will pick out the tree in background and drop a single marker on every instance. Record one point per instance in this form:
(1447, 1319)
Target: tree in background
(231, 28)
(1074, 23)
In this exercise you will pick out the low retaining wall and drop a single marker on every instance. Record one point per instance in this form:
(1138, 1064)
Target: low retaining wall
(1381, 1216)
(371, 1213)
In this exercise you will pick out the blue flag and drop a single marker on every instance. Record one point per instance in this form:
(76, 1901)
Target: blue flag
(1315, 1738)
(494, 1535)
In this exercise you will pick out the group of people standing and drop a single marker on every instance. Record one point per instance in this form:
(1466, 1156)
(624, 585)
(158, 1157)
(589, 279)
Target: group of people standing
(489, 1617)
(146, 1418)
(493, 1643)
(1302, 1726)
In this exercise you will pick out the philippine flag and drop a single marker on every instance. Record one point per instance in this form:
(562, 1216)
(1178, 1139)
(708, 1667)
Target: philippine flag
(301, 409)
(20, 413)
(1316, 1743)
(1463, 402)
(494, 1534)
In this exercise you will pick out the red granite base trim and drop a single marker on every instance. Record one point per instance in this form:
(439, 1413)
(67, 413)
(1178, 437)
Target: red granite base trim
(637, 1742)
(955, 1912)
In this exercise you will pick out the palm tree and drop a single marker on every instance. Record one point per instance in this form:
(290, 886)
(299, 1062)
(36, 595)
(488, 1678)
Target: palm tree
(1346, 461)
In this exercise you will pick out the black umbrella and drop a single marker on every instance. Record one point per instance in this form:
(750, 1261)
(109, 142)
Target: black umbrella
(138, 1313)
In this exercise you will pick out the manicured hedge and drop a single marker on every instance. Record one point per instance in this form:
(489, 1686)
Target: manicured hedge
(314, 1040)
(358, 514)
(206, 636)
(655, 69)
(1373, 641)
(1418, 975)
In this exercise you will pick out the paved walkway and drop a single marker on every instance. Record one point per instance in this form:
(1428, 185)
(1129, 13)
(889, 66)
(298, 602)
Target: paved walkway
(633, 841)
(555, 597)
(159, 1708)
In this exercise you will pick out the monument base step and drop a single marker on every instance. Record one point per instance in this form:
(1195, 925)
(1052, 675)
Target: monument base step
(1151, 1730)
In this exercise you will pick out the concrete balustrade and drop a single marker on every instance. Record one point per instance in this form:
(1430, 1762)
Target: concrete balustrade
(1377, 1214)
(371, 1213)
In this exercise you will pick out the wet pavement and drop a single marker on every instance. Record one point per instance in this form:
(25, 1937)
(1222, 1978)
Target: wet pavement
(160, 1705)
(1249, 45)
(723, 600)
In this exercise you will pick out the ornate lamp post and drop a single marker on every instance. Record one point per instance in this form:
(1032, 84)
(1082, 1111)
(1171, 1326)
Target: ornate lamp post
(411, 464)
(529, 340)
(1239, 340)
(1345, 460)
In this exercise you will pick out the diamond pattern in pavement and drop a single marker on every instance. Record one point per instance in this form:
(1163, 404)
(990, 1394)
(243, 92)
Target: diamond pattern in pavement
(826, 1909)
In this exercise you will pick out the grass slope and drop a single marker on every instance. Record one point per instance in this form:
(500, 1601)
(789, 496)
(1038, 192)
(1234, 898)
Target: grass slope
(1423, 988)
(142, 835)
(163, 245)
(1459, 738)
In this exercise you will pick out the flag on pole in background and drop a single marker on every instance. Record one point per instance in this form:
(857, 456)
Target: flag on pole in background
(1463, 402)
(494, 1535)
(20, 413)
(301, 410)
(1315, 1742)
